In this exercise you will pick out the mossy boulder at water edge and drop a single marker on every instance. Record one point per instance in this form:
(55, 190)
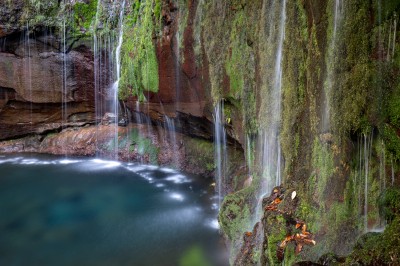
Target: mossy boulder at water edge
(378, 248)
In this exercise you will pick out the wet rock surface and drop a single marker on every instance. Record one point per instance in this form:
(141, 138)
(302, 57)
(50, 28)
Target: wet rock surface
(41, 88)
(135, 143)
(274, 234)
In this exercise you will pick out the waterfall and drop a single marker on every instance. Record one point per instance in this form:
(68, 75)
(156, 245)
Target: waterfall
(391, 40)
(271, 163)
(391, 161)
(220, 149)
(364, 177)
(367, 156)
(249, 160)
(97, 74)
(330, 66)
(170, 134)
(64, 78)
(116, 83)
(107, 73)
(394, 36)
(29, 72)
(177, 70)
(382, 167)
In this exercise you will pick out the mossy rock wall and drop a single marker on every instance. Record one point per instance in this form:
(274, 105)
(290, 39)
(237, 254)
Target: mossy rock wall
(331, 167)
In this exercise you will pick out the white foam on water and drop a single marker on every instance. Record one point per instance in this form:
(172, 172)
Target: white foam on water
(212, 223)
(178, 179)
(10, 160)
(29, 161)
(67, 161)
(106, 164)
(176, 196)
(168, 170)
(136, 168)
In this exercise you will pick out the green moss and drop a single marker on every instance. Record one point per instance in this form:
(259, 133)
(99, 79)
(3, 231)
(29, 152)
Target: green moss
(84, 13)
(323, 165)
(378, 249)
(293, 82)
(234, 215)
(392, 141)
(394, 107)
(42, 13)
(200, 152)
(389, 204)
(239, 55)
(139, 65)
(183, 23)
(352, 91)
(389, 7)
(143, 146)
(275, 235)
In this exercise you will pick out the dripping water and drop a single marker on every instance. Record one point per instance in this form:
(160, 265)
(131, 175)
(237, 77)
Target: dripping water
(171, 135)
(64, 93)
(220, 147)
(330, 66)
(177, 70)
(382, 170)
(365, 177)
(29, 70)
(391, 161)
(269, 142)
(248, 154)
(115, 85)
(97, 75)
(394, 36)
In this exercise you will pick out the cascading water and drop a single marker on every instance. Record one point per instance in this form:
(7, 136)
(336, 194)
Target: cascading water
(330, 65)
(107, 72)
(271, 164)
(28, 70)
(394, 36)
(97, 73)
(391, 40)
(170, 132)
(177, 70)
(118, 76)
(249, 159)
(221, 156)
(392, 170)
(64, 93)
(367, 157)
(367, 185)
(382, 165)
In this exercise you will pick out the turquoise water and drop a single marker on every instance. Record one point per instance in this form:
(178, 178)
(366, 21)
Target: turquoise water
(91, 212)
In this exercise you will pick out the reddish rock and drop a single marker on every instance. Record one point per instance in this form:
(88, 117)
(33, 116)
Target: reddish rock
(92, 140)
(32, 93)
(178, 83)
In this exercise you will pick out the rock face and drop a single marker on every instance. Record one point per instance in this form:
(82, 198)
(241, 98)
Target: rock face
(135, 143)
(181, 78)
(36, 81)
(10, 17)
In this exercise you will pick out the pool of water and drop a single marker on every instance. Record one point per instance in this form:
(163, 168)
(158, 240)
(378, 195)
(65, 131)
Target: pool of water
(57, 211)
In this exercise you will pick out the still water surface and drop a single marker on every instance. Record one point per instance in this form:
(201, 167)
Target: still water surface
(56, 211)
